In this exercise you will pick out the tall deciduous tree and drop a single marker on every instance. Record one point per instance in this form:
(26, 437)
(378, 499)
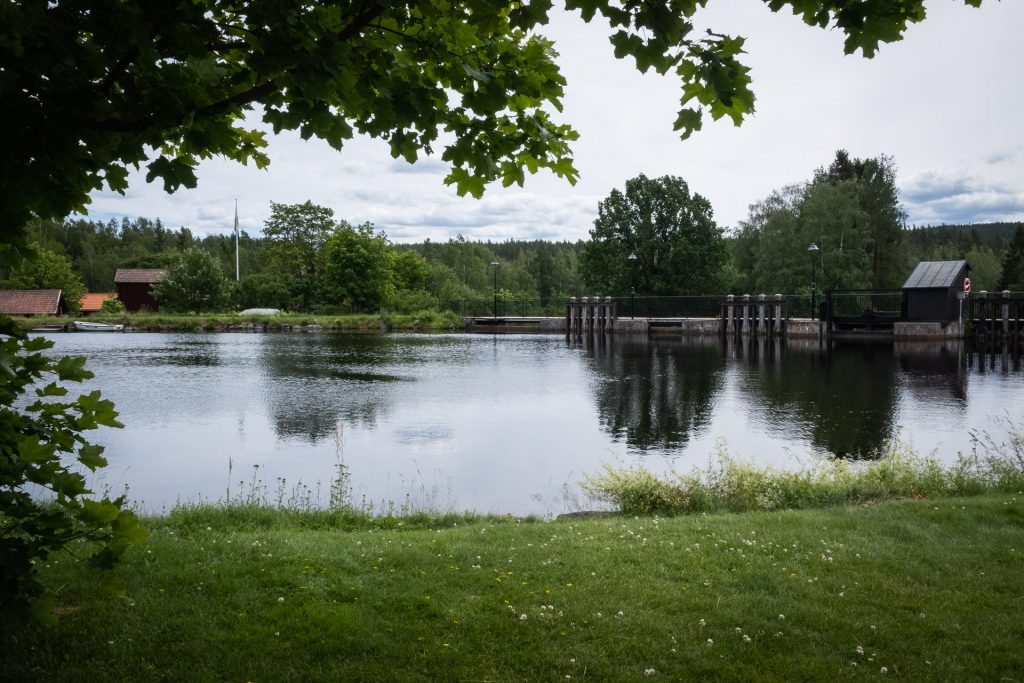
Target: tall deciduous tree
(880, 216)
(194, 283)
(358, 267)
(850, 210)
(678, 246)
(295, 237)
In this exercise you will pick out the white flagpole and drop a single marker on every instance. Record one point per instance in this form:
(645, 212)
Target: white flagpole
(236, 242)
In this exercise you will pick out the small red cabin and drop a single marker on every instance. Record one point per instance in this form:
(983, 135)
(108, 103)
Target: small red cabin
(135, 287)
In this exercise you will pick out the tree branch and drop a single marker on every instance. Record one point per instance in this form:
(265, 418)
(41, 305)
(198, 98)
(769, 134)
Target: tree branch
(252, 94)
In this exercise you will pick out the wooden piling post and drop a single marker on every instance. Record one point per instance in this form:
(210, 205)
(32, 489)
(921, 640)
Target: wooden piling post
(1006, 314)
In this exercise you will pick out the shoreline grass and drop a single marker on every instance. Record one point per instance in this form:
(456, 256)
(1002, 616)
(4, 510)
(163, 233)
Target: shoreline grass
(727, 484)
(424, 321)
(912, 589)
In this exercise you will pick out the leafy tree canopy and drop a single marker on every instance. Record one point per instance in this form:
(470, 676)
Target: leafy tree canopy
(678, 247)
(44, 269)
(850, 210)
(358, 265)
(91, 88)
(194, 282)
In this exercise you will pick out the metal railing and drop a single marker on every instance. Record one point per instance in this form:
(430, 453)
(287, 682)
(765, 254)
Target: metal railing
(697, 306)
(705, 306)
(506, 307)
(863, 303)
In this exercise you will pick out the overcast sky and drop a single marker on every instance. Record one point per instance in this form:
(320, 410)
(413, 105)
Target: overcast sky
(947, 103)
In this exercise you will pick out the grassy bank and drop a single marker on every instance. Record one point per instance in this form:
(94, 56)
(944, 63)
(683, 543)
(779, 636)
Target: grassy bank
(915, 589)
(731, 485)
(425, 321)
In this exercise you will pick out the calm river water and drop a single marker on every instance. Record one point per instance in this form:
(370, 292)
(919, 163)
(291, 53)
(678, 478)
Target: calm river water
(512, 423)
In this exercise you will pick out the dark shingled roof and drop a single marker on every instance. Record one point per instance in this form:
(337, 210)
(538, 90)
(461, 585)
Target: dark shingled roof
(139, 275)
(934, 275)
(30, 301)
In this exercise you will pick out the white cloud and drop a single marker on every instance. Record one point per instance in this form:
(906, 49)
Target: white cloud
(949, 197)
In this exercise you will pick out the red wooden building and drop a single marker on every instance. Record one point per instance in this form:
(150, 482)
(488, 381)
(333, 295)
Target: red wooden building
(32, 302)
(135, 287)
(92, 302)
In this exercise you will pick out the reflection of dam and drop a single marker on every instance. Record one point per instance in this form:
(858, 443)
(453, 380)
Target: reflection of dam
(661, 392)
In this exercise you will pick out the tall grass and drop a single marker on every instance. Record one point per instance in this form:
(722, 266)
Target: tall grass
(731, 485)
(254, 504)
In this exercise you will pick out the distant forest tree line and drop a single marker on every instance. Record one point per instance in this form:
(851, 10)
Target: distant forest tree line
(655, 238)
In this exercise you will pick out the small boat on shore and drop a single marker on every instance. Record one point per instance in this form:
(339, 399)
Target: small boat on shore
(86, 326)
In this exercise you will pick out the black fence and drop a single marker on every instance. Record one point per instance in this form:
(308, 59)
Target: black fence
(884, 303)
(506, 307)
(863, 303)
(703, 306)
(996, 314)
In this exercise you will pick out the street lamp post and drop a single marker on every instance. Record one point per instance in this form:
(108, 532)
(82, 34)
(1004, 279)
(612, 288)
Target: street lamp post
(813, 251)
(494, 310)
(632, 287)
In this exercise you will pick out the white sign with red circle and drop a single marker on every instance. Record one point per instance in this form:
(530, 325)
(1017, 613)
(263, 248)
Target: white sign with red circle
(967, 285)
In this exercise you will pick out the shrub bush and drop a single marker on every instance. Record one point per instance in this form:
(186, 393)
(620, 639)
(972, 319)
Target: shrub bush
(45, 505)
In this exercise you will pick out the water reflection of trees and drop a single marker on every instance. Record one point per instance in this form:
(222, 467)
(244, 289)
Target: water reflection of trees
(654, 392)
(842, 395)
(659, 392)
(313, 381)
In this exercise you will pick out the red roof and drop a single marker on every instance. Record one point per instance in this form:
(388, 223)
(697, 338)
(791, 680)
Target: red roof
(139, 275)
(30, 302)
(92, 302)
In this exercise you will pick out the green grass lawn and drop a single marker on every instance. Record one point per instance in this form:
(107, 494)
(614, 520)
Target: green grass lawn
(929, 589)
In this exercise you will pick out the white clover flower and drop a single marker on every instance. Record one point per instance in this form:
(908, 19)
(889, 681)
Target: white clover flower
(860, 650)
(701, 622)
(883, 670)
(746, 639)
(523, 617)
(710, 642)
(782, 617)
(280, 599)
(649, 672)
